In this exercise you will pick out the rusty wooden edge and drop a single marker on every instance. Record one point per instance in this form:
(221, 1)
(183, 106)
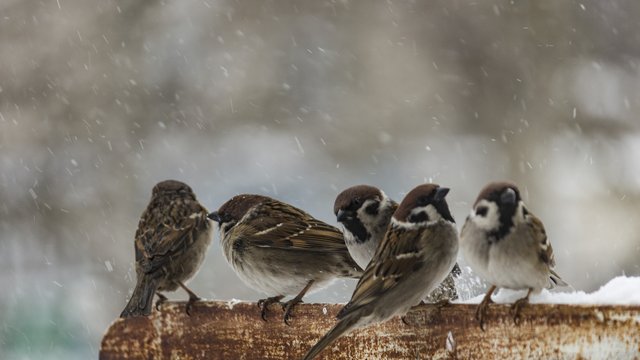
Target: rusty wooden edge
(225, 329)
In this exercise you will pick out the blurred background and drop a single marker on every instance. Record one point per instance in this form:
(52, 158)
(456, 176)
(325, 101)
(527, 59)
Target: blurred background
(99, 100)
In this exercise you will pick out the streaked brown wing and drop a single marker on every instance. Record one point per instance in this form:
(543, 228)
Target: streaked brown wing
(397, 256)
(166, 234)
(540, 235)
(277, 225)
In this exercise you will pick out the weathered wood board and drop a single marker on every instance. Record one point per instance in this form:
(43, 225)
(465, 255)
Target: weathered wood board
(218, 330)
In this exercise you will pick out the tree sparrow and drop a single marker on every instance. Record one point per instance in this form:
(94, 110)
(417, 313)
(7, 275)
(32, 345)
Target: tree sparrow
(416, 254)
(281, 250)
(507, 245)
(365, 212)
(170, 244)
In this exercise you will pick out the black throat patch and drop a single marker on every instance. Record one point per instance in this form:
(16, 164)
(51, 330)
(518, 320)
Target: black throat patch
(355, 227)
(507, 212)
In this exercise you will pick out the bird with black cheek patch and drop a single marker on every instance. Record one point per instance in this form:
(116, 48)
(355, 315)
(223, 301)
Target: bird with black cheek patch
(280, 250)
(417, 252)
(172, 238)
(365, 212)
(507, 246)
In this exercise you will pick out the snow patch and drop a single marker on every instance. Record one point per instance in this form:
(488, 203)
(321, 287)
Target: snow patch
(621, 290)
(231, 303)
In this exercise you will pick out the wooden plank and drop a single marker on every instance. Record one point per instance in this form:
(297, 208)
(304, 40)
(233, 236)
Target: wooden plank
(219, 330)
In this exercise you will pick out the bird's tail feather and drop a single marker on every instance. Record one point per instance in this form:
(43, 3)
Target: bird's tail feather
(142, 298)
(557, 280)
(343, 326)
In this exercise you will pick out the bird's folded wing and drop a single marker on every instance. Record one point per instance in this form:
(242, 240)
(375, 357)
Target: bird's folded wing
(545, 251)
(540, 236)
(398, 255)
(276, 225)
(155, 247)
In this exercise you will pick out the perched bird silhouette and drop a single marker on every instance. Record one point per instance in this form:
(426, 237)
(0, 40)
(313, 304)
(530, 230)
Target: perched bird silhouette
(280, 250)
(170, 245)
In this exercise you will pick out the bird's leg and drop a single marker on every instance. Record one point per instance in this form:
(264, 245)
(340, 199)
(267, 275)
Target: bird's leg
(481, 311)
(517, 306)
(288, 306)
(263, 304)
(192, 297)
(161, 300)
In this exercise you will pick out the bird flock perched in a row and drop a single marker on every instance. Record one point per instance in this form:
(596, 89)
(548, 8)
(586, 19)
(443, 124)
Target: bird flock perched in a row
(402, 254)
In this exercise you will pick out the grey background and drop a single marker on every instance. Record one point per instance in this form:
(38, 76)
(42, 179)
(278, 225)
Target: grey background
(99, 100)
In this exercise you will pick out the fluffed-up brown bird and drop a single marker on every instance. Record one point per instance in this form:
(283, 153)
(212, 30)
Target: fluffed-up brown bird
(507, 246)
(280, 250)
(170, 244)
(416, 254)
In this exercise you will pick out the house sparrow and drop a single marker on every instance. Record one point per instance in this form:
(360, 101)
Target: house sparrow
(365, 212)
(170, 244)
(417, 252)
(281, 250)
(507, 245)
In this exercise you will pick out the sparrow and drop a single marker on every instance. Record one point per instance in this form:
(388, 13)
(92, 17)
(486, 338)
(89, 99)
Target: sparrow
(365, 212)
(417, 253)
(170, 243)
(280, 250)
(507, 246)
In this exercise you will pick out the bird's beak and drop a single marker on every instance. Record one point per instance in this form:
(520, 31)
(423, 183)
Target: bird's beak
(343, 215)
(441, 192)
(214, 216)
(508, 196)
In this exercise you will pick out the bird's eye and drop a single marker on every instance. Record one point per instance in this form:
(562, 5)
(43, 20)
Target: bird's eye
(357, 202)
(482, 211)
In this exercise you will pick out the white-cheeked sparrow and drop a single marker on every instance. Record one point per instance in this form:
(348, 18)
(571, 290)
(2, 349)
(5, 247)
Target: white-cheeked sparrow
(416, 254)
(365, 212)
(507, 246)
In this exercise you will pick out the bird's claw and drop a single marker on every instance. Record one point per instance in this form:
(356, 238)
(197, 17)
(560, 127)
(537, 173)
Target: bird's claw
(161, 300)
(481, 312)
(263, 304)
(516, 309)
(287, 307)
(190, 303)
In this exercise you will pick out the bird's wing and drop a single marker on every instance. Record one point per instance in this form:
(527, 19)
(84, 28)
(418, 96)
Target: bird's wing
(545, 250)
(398, 255)
(167, 234)
(539, 235)
(277, 225)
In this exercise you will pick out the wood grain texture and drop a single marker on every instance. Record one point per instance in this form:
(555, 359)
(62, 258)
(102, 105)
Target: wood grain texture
(220, 330)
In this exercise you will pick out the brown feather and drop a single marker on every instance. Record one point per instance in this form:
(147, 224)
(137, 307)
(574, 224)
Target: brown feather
(281, 226)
